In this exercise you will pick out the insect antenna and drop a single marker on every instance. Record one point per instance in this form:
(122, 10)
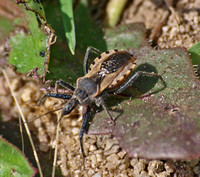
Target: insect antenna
(49, 112)
(55, 137)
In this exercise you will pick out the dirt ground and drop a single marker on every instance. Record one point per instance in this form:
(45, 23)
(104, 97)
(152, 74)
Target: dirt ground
(104, 156)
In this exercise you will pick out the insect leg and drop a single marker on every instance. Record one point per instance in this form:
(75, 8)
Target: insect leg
(134, 78)
(101, 102)
(63, 84)
(88, 51)
(86, 117)
(54, 95)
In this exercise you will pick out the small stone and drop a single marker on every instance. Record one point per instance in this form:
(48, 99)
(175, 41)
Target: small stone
(76, 173)
(15, 84)
(114, 149)
(74, 123)
(92, 148)
(182, 28)
(94, 161)
(97, 174)
(194, 162)
(133, 162)
(144, 161)
(169, 167)
(155, 167)
(49, 103)
(90, 172)
(139, 167)
(165, 28)
(197, 170)
(130, 171)
(91, 140)
(123, 166)
(26, 95)
(112, 157)
(110, 143)
(144, 174)
(75, 131)
(99, 157)
(196, 20)
(44, 147)
(163, 174)
(121, 154)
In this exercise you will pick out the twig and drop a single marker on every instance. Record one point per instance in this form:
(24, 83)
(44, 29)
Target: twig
(23, 119)
(56, 146)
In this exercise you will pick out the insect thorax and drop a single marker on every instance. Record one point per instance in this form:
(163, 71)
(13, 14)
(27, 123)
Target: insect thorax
(86, 87)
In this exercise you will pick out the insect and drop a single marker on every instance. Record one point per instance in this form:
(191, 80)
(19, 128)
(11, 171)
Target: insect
(108, 74)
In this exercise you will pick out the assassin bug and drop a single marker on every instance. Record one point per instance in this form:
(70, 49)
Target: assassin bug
(106, 75)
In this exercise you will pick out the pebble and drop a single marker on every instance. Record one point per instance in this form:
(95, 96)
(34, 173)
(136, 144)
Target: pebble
(139, 167)
(94, 161)
(112, 158)
(155, 166)
(169, 167)
(92, 148)
(75, 131)
(113, 150)
(97, 174)
(44, 147)
(121, 154)
(99, 157)
(163, 174)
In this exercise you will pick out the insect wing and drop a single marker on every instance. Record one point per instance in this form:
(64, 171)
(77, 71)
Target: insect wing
(113, 67)
(118, 66)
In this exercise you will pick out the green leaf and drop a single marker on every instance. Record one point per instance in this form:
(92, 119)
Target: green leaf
(68, 22)
(29, 44)
(195, 54)
(26, 48)
(34, 6)
(12, 162)
(63, 64)
(7, 19)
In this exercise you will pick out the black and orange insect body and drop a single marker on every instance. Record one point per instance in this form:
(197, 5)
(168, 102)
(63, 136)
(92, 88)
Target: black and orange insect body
(110, 69)
(108, 74)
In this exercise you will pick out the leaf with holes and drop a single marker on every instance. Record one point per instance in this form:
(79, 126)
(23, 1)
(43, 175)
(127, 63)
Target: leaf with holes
(30, 42)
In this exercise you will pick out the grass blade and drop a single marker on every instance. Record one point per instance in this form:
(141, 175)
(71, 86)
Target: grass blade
(68, 22)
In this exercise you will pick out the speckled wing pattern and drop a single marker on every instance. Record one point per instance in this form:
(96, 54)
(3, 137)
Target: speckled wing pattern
(111, 68)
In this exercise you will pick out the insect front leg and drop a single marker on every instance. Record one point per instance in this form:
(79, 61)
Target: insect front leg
(88, 51)
(86, 116)
(134, 77)
(63, 84)
(55, 95)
